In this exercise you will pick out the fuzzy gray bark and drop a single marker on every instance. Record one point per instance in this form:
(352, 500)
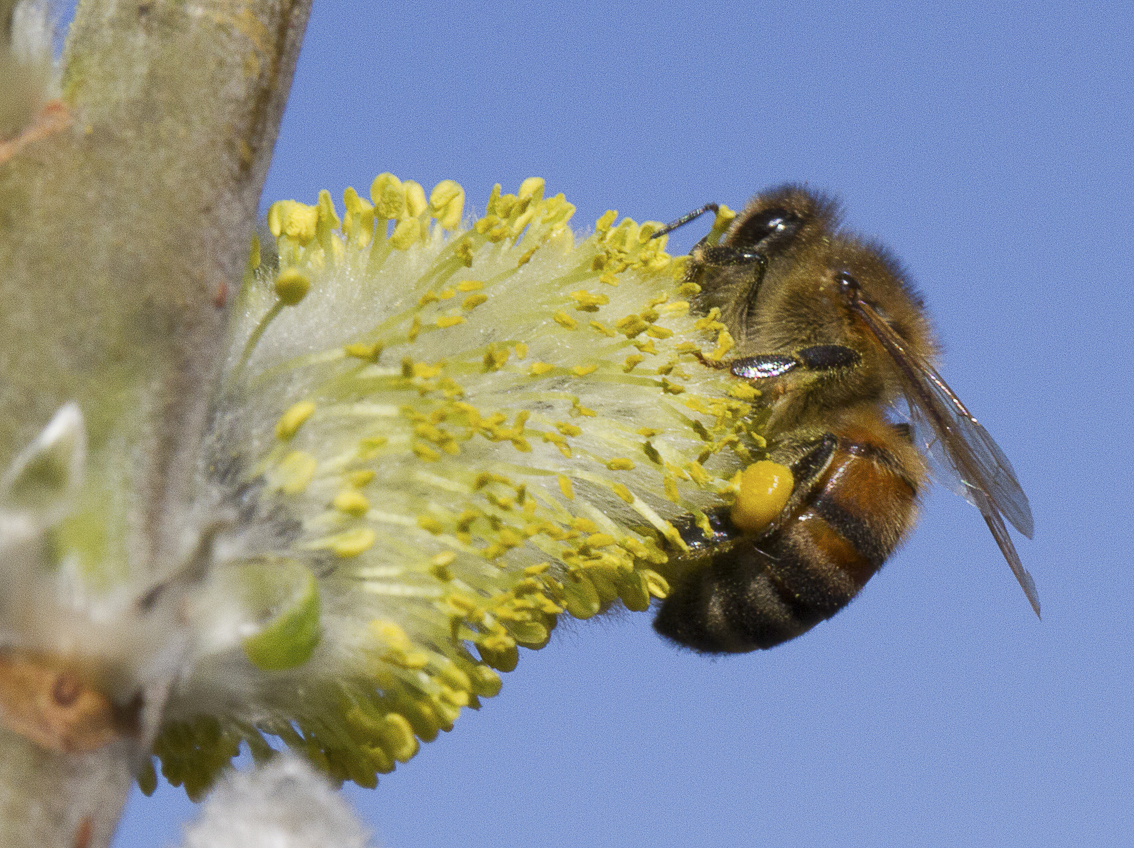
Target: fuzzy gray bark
(123, 223)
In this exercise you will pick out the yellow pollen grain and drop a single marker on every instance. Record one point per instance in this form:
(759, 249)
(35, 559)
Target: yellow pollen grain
(564, 320)
(584, 370)
(450, 320)
(538, 369)
(293, 419)
(620, 464)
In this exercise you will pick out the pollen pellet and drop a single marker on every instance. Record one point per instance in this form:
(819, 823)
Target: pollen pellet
(765, 487)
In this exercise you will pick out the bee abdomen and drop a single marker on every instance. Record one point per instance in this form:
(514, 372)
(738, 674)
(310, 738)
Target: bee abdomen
(759, 591)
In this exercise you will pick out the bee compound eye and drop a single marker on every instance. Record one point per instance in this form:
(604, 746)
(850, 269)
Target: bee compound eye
(847, 284)
(769, 224)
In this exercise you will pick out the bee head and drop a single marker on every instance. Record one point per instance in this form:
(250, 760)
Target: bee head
(777, 221)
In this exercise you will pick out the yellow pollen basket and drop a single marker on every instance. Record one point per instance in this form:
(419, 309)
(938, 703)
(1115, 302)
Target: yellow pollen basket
(765, 488)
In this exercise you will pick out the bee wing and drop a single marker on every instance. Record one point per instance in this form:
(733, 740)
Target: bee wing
(977, 464)
(972, 463)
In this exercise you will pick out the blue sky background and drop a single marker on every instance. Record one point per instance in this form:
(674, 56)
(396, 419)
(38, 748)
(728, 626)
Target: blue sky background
(990, 146)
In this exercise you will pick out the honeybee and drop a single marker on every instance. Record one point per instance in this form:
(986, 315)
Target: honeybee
(828, 328)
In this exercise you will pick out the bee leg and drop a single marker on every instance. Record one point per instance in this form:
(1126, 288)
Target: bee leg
(723, 255)
(729, 606)
(741, 592)
(817, 358)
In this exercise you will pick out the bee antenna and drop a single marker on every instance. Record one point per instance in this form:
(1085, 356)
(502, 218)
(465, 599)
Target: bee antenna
(685, 219)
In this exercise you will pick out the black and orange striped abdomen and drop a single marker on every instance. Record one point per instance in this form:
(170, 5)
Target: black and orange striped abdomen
(854, 501)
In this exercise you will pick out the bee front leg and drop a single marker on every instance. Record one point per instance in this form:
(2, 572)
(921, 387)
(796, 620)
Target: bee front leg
(814, 359)
(725, 255)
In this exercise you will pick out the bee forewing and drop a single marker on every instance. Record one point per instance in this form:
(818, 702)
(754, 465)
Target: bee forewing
(1000, 533)
(967, 456)
(967, 459)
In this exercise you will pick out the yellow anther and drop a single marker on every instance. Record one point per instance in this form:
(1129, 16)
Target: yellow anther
(388, 196)
(293, 419)
(295, 471)
(532, 187)
(353, 542)
(415, 198)
(447, 204)
(292, 286)
(352, 502)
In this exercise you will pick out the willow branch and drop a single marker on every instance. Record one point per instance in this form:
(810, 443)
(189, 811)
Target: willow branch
(125, 216)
